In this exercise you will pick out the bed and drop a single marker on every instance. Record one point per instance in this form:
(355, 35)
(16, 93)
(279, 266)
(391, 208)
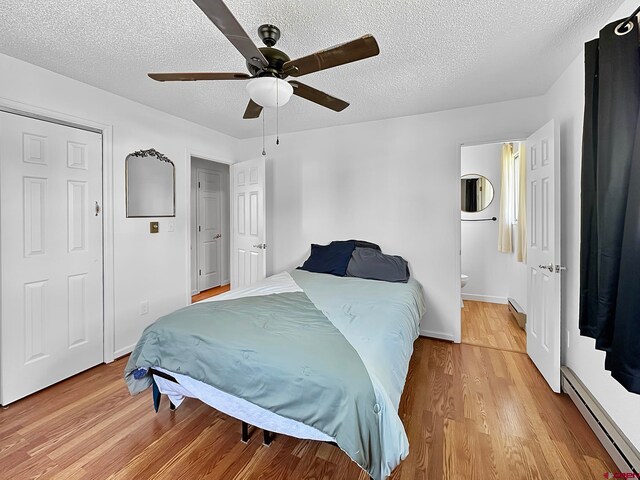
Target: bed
(309, 355)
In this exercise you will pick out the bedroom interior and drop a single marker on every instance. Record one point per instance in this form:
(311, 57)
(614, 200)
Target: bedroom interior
(417, 103)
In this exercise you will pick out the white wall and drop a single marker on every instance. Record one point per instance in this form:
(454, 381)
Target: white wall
(223, 169)
(486, 266)
(565, 102)
(394, 182)
(517, 274)
(147, 267)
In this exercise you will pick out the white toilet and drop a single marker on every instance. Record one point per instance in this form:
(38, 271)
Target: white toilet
(463, 281)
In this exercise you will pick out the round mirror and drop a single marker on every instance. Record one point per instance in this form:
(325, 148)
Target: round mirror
(476, 193)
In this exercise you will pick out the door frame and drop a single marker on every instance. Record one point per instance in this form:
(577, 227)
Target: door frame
(108, 290)
(189, 154)
(457, 260)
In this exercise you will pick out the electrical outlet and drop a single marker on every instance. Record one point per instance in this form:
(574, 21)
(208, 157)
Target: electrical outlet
(144, 307)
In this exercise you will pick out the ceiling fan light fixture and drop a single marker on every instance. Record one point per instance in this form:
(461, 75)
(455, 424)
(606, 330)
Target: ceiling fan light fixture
(269, 91)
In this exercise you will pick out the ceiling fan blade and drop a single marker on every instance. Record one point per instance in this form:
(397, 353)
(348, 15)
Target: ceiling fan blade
(253, 110)
(361, 48)
(222, 18)
(316, 96)
(193, 76)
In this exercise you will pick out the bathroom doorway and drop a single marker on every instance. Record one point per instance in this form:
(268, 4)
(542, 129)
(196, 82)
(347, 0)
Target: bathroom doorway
(493, 271)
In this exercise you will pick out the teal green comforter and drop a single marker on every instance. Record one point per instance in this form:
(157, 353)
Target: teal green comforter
(334, 356)
(276, 351)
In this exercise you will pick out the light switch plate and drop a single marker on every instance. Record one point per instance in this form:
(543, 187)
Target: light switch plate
(154, 227)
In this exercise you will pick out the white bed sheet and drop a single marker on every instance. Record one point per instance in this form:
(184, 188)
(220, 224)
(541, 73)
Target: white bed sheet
(279, 283)
(235, 407)
(229, 404)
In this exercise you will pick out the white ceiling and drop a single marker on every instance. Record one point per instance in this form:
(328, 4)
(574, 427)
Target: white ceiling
(434, 55)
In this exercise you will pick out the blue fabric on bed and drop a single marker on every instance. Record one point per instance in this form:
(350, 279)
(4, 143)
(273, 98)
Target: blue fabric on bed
(333, 258)
(279, 352)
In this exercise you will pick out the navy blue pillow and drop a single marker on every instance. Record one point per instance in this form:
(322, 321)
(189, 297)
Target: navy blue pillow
(333, 258)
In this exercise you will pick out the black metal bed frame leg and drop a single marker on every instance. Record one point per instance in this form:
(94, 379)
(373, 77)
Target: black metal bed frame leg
(244, 438)
(172, 407)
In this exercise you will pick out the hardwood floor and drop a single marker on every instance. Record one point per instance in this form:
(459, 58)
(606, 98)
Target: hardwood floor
(212, 292)
(470, 413)
(491, 325)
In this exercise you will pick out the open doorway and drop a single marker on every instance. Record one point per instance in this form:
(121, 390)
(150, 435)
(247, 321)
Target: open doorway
(209, 225)
(493, 275)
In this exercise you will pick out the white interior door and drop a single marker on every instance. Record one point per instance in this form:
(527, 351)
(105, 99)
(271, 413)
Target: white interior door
(543, 252)
(51, 254)
(209, 229)
(248, 255)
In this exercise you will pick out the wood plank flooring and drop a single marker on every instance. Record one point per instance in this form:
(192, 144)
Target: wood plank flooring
(212, 292)
(470, 413)
(491, 325)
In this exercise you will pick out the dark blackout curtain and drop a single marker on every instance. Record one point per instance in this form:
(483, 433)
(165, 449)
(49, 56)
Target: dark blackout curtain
(471, 195)
(610, 204)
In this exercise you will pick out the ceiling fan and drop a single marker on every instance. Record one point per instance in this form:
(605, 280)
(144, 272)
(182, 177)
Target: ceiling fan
(268, 66)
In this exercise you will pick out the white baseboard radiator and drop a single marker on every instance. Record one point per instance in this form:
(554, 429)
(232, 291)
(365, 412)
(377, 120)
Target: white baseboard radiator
(623, 453)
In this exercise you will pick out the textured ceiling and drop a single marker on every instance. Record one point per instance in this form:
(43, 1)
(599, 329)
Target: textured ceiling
(434, 55)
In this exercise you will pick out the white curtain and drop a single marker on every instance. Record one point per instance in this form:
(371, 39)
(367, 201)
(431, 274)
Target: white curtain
(521, 245)
(505, 217)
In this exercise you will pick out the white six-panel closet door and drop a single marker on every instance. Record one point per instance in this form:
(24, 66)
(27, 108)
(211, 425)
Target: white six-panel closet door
(51, 253)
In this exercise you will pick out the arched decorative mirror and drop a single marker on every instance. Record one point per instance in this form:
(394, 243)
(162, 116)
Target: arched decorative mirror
(476, 193)
(150, 184)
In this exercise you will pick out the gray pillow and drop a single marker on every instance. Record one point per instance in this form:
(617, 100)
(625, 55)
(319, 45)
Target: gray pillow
(375, 265)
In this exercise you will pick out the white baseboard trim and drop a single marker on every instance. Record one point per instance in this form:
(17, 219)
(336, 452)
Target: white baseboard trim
(123, 351)
(484, 298)
(438, 335)
(619, 447)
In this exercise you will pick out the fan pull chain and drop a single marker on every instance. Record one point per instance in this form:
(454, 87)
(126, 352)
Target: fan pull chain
(277, 115)
(264, 152)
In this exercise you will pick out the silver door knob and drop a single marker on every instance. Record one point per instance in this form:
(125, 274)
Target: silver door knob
(546, 267)
(261, 246)
(218, 236)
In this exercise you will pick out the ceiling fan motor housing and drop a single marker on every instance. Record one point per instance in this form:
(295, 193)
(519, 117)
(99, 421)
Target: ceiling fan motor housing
(276, 59)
